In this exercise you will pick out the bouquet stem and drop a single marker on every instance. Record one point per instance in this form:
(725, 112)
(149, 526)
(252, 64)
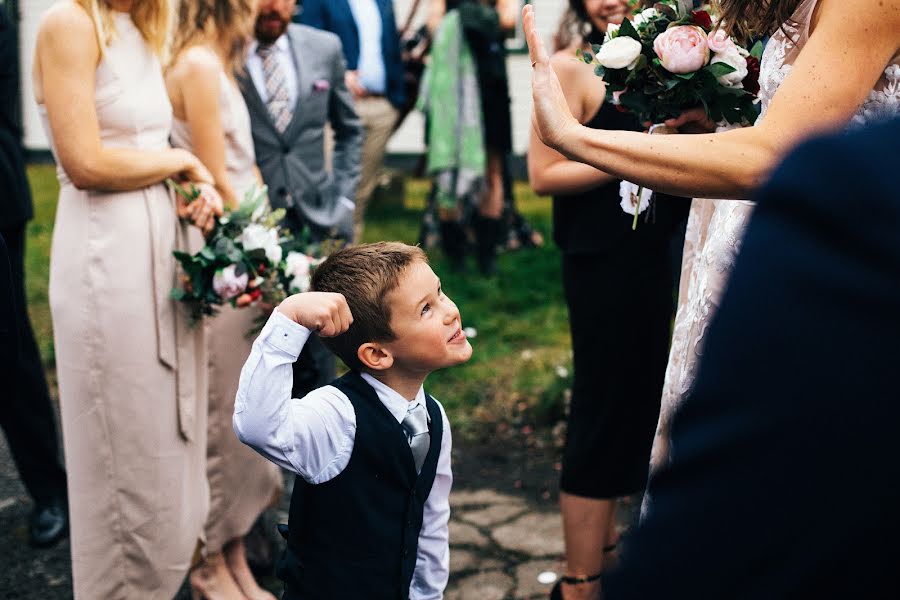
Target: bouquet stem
(640, 192)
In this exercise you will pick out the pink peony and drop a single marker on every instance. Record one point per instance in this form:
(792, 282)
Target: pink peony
(719, 41)
(682, 49)
(227, 284)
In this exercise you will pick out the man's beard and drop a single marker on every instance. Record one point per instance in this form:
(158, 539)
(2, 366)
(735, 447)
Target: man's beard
(268, 34)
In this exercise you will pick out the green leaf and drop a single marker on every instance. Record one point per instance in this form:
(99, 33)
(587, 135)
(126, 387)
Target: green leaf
(719, 69)
(627, 29)
(177, 294)
(578, 52)
(685, 76)
(587, 57)
(207, 253)
(595, 48)
(599, 71)
(757, 50)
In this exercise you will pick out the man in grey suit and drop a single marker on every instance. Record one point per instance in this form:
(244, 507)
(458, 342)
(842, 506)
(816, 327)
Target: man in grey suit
(293, 86)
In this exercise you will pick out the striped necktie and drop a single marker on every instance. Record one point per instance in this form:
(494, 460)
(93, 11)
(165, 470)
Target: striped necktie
(277, 99)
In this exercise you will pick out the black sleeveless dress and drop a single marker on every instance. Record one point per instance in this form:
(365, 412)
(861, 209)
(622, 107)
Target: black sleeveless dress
(619, 287)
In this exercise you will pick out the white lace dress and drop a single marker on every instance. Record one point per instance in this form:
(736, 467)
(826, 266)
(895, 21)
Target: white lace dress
(715, 227)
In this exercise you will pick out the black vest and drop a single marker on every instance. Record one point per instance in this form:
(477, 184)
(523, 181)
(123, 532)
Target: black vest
(593, 221)
(356, 535)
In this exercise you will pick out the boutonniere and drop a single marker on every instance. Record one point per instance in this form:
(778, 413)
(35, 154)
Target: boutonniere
(321, 85)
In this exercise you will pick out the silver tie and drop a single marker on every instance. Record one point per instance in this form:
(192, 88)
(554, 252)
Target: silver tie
(415, 424)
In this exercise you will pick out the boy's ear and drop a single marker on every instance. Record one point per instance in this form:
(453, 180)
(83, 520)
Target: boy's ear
(375, 356)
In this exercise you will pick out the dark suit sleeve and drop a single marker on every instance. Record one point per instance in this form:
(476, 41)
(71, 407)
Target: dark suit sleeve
(348, 129)
(782, 481)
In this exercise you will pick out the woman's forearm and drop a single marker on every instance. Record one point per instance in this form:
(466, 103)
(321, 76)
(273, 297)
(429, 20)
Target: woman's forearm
(124, 169)
(566, 177)
(722, 165)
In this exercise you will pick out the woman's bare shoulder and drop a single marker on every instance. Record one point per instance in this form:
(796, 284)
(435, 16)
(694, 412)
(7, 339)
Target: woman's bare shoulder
(67, 20)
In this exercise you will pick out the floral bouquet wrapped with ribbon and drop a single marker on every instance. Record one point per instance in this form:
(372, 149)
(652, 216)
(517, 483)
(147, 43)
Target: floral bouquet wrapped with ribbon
(670, 59)
(248, 259)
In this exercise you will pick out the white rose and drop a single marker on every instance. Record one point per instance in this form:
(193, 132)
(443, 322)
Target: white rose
(257, 236)
(628, 193)
(611, 30)
(299, 284)
(228, 284)
(297, 264)
(619, 53)
(734, 59)
(644, 16)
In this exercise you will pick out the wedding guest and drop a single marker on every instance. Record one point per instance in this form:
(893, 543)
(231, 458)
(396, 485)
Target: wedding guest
(469, 138)
(819, 72)
(618, 286)
(132, 374)
(27, 416)
(369, 514)
(211, 120)
(371, 45)
(795, 402)
(294, 84)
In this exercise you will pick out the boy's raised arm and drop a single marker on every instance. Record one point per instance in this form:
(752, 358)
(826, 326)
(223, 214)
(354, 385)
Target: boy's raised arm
(265, 416)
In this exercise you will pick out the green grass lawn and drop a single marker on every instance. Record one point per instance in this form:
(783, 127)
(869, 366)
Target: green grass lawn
(520, 369)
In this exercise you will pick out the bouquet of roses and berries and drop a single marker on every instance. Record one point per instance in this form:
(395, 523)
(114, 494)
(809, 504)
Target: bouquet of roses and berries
(248, 258)
(668, 60)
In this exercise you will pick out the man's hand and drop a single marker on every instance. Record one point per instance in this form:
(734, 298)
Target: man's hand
(351, 78)
(323, 312)
(692, 121)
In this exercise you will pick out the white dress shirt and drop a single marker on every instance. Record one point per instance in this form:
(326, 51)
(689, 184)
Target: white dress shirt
(284, 55)
(313, 437)
(371, 69)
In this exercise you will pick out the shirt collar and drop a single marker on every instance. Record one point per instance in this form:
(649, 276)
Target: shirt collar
(282, 45)
(396, 404)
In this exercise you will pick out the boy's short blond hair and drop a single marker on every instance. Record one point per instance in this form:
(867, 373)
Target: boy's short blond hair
(364, 274)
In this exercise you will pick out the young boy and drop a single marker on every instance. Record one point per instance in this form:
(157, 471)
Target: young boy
(369, 511)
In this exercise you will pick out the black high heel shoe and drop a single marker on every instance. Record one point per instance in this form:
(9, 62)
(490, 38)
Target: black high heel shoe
(556, 592)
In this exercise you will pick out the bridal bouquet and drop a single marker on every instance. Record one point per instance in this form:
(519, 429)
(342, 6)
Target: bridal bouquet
(248, 258)
(670, 59)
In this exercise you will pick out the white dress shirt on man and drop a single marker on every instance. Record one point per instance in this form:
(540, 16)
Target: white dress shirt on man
(313, 437)
(371, 69)
(285, 57)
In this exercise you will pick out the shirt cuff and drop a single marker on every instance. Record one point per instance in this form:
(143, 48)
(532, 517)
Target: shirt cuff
(285, 334)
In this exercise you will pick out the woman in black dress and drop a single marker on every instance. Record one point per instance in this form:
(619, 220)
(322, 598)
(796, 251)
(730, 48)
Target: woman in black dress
(619, 287)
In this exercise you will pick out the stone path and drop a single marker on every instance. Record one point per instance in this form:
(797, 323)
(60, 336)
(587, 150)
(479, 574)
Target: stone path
(499, 545)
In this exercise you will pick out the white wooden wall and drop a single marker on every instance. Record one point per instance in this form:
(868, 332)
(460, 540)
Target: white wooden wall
(31, 11)
(406, 141)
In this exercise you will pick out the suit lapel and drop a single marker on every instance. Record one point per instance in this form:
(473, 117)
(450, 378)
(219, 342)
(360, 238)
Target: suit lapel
(255, 102)
(301, 51)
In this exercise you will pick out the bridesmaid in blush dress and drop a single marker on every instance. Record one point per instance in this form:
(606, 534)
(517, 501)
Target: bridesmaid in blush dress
(132, 373)
(212, 121)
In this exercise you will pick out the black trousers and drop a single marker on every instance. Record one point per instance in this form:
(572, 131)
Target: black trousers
(26, 413)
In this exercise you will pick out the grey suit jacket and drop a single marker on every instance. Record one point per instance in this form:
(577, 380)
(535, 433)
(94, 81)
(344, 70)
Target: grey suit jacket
(292, 163)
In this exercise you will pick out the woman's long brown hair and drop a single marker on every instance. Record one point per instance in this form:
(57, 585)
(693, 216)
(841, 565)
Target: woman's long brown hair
(746, 19)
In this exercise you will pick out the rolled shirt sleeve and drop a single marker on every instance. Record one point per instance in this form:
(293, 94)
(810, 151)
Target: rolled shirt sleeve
(311, 436)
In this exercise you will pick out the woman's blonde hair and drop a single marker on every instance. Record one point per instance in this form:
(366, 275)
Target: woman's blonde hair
(230, 22)
(152, 18)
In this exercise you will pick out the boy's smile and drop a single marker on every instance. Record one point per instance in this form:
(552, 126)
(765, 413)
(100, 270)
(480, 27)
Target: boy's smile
(426, 323)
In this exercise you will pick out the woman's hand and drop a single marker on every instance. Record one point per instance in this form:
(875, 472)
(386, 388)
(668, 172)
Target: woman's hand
(552, 120)
(207, 208)
(193, 169)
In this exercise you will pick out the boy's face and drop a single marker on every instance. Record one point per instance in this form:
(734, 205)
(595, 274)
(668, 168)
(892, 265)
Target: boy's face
(426, 324)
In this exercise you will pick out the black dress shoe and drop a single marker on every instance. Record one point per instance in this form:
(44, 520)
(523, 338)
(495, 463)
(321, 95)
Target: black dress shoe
(49, 523)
